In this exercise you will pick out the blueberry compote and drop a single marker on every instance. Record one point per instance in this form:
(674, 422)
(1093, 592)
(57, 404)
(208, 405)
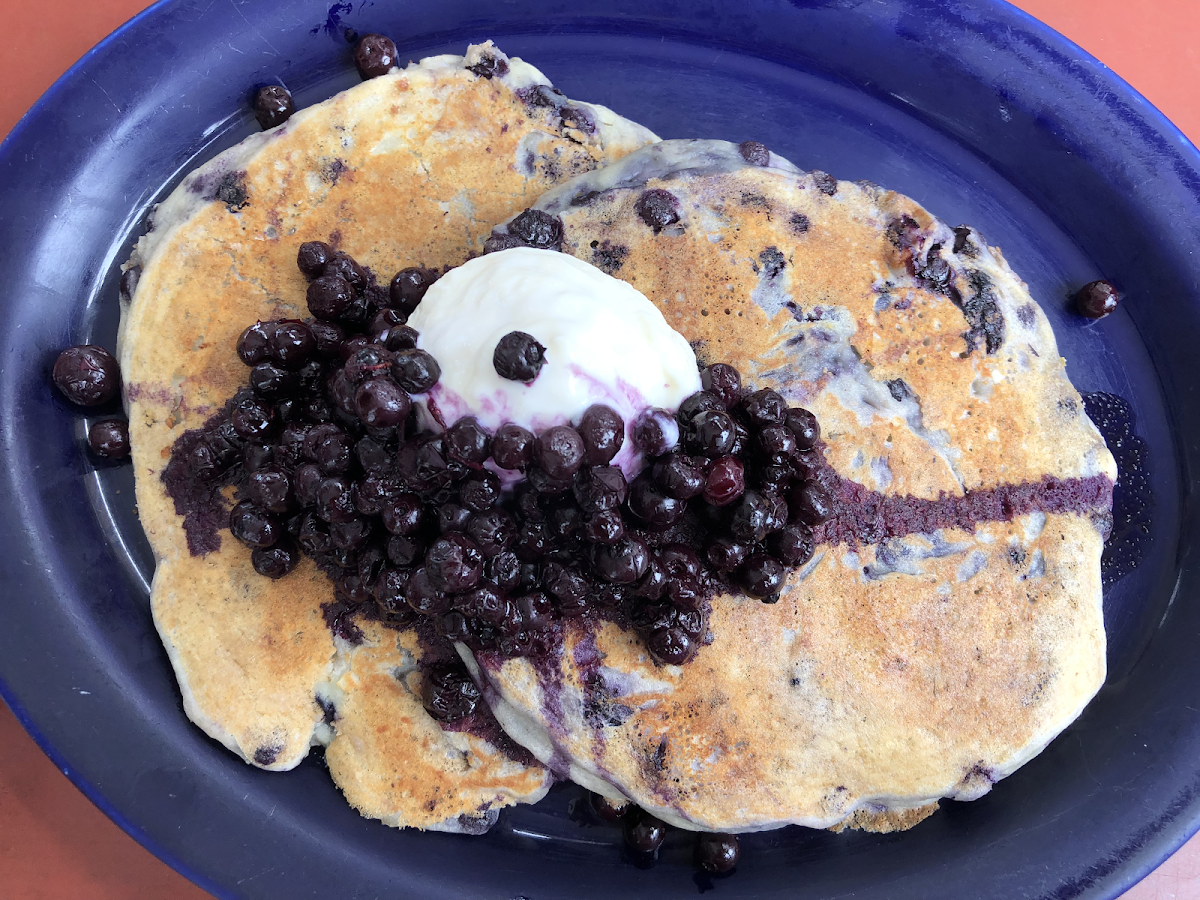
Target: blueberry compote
(327, 459)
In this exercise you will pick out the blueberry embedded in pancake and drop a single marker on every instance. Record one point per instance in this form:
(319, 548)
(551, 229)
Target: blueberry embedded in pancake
(949, 624)
(407, 170)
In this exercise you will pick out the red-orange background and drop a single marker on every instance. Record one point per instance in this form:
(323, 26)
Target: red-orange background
(54, 845)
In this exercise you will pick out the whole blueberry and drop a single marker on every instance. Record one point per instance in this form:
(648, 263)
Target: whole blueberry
(754, 153)
(657, 208)
(623, 562)
(803, 424)
(603, 432)
(329, 296)
(252, 526)
(655, 432)
(109, 438)
(273, 105)
(724, 381)
(762, 576)
(512, 446)
(415, 370)
(537, 229)
(87, 375)
(276, 561)
(468, 442)
(312, 257)
(518, 357)
(1097, 299)
(409, 286)
(559, 451)
(252, 344)
(375, 55)
(717, 853)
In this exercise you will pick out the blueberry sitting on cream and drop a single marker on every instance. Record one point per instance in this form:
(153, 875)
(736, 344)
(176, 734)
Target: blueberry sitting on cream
(604, 343)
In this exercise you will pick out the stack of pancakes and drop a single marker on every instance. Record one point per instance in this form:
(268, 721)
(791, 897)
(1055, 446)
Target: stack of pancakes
(948, 626)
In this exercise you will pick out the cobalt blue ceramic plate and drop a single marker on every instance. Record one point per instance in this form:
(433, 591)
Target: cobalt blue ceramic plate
(979, 112)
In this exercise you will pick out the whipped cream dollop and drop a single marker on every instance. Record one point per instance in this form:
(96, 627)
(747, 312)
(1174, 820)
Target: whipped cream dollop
(605, 343)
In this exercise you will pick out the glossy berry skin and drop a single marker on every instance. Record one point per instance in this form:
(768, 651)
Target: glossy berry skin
(671, 646)
(273, 106)
(559, 451)
(1097, 299)
(290, 344)
(810, 503)
(723, 381)
(415, 370)
(765, 407)
(701, 401)
(762, 576)
(655, 432)
(453, 563)
(269, 489)
(381, 404)
(803, 426)
(717, 853)
(606, 810)
(537, 229)
(518, 357)
(276, 561)
(678, 476)
(644, 834)
(725, 554)
(253, 342)
(711, 433)
(87, 375)
(329, 296)
(600, 488)
(793, 544)
(468, 442)
(726, 481)
(312, 257)
(657, 208)
(409, 286)
(651, 505)
(623, 562)
(603, 432)
(375, 55)
(512, 446)
(253, 527)
(449, 694)
(109, 438)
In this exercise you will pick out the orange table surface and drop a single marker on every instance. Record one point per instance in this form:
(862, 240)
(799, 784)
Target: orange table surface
(54, 845)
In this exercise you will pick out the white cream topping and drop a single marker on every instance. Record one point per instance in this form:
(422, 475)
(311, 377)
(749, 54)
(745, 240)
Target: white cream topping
(605, 343)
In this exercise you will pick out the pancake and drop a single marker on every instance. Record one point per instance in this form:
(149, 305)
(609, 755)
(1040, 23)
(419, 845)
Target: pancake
(949, 624)
(410, 168)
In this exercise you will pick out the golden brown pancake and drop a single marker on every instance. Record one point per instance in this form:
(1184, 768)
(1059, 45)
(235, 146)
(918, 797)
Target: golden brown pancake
(949, 624)
(407, 169)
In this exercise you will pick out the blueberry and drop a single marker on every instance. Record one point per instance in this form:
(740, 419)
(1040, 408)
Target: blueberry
(269, 489)
(711, 433)
(366, 361)
(255, 456)
(657, 208)
(793, 544)
(489, 66)
(685, 592)
(375, 55)
(252, 526)
(678, 476)
(415, 370)
(305, 482)
(313, 536)
(382, 324)
(762, 576)
(518, 357)
(381, 404)
(423, 596)
(606, 810)
(776, 444)
(291, 344)
(312, 257)
(803, 424)
(725, 554)
(454, 563)
(329, 296)
(1097, 299)
(252, 344)
(605, 527)
(765, 407)
(452, 517)
(127, 286)
(468, 442)
(373, 455)
(109, 438)
(825, 182)
(717, 853)
(329, 337)
(537, 229)
(726, 481)
(329, 447)
(679, 560)
(390, 588)
(701, 401)
(723, 381)
(569, 587)
(603, 432)
(655, 432)
(559, 451)
(350, 535)
(409, 286)
(277, 561)
(623, 562)
(600, 488)
(652, 506)
(335, 500)
(273, 106)
(449, 694)
(404, 551)
(272, 382)
(754, 153)
(671, 646)
(479, 491)
(87, 375)
(494, 531)
(810, 503)
(512, 446)
(752, 518)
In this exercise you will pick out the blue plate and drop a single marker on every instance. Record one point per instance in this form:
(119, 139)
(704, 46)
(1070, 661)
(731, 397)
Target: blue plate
(979, 112)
